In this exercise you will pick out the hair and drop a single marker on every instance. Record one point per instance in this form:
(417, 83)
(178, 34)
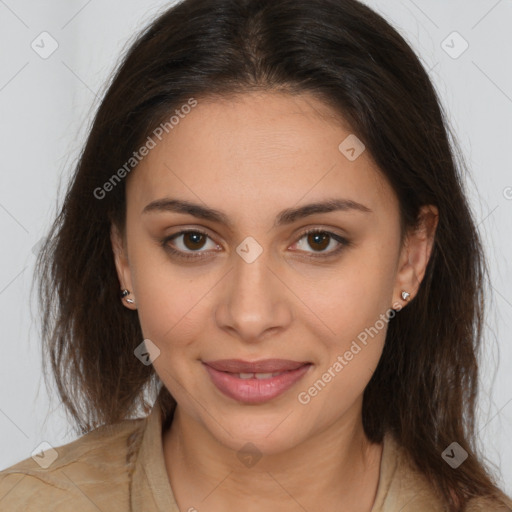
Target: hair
(425, 387)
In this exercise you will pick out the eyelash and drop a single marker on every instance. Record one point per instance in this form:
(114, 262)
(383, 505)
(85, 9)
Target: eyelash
(187, 256)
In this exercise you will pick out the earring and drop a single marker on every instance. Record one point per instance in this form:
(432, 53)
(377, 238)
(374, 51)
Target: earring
(405, 295)
(124, 293)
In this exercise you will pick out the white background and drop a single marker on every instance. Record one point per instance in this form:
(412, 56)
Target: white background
(45, 109)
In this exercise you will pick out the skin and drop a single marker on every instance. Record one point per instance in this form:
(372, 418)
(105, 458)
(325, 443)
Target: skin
(252, 156)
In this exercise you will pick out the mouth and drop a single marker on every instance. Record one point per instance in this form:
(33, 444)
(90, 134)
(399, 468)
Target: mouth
(257, 382)
(261, 366)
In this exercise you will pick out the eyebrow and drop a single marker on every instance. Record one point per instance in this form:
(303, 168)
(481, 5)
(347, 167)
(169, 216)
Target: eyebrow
(286, 216)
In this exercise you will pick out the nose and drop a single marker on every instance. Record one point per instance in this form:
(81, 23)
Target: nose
(254, 302)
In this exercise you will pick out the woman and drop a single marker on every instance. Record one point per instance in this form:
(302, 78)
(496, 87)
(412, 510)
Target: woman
(267, 224)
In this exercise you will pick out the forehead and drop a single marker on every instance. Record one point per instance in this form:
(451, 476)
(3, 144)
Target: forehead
(258, 151)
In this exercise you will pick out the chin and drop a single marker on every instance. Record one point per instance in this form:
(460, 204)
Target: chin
(269, 436)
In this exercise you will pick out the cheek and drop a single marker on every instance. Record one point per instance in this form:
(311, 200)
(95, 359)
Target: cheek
(173, 311)
(349, 358)
(351, 296)
(359, 326)
(355, 305)
(172, 301)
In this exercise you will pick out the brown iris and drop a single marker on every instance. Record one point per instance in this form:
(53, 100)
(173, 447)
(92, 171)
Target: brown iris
(195, 240)
(318, 238)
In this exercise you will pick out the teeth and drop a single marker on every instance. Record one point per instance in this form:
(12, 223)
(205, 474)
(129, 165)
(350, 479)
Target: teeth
(258, 375)
(263, 375)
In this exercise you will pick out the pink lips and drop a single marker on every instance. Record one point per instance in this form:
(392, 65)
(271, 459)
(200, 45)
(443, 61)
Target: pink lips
(225, 374)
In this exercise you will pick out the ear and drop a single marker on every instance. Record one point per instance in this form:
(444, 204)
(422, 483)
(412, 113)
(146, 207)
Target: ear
(122, 264)
(415, 255)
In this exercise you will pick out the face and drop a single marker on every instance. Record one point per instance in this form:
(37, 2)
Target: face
(249, 282)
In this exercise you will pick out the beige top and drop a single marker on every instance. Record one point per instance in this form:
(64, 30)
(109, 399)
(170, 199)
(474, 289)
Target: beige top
(121, 468)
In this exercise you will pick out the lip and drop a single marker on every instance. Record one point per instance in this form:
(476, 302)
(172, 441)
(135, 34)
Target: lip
(253, 390)
(262, 366)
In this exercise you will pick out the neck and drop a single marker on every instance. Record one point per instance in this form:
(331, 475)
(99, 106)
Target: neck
(336, 465)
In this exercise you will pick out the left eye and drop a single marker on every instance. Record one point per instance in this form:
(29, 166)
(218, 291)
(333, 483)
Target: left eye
(320, 240)
(193, 241)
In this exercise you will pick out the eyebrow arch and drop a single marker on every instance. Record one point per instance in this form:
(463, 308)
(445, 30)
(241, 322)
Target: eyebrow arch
(286, 216)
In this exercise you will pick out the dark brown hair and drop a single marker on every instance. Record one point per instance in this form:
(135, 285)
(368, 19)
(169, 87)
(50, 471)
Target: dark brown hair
(425, 386)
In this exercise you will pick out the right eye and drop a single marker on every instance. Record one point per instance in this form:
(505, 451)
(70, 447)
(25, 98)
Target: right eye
(193, 241)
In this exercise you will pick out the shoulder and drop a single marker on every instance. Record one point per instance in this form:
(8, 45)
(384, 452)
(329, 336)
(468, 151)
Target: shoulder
(410, 490)
(87, 474)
